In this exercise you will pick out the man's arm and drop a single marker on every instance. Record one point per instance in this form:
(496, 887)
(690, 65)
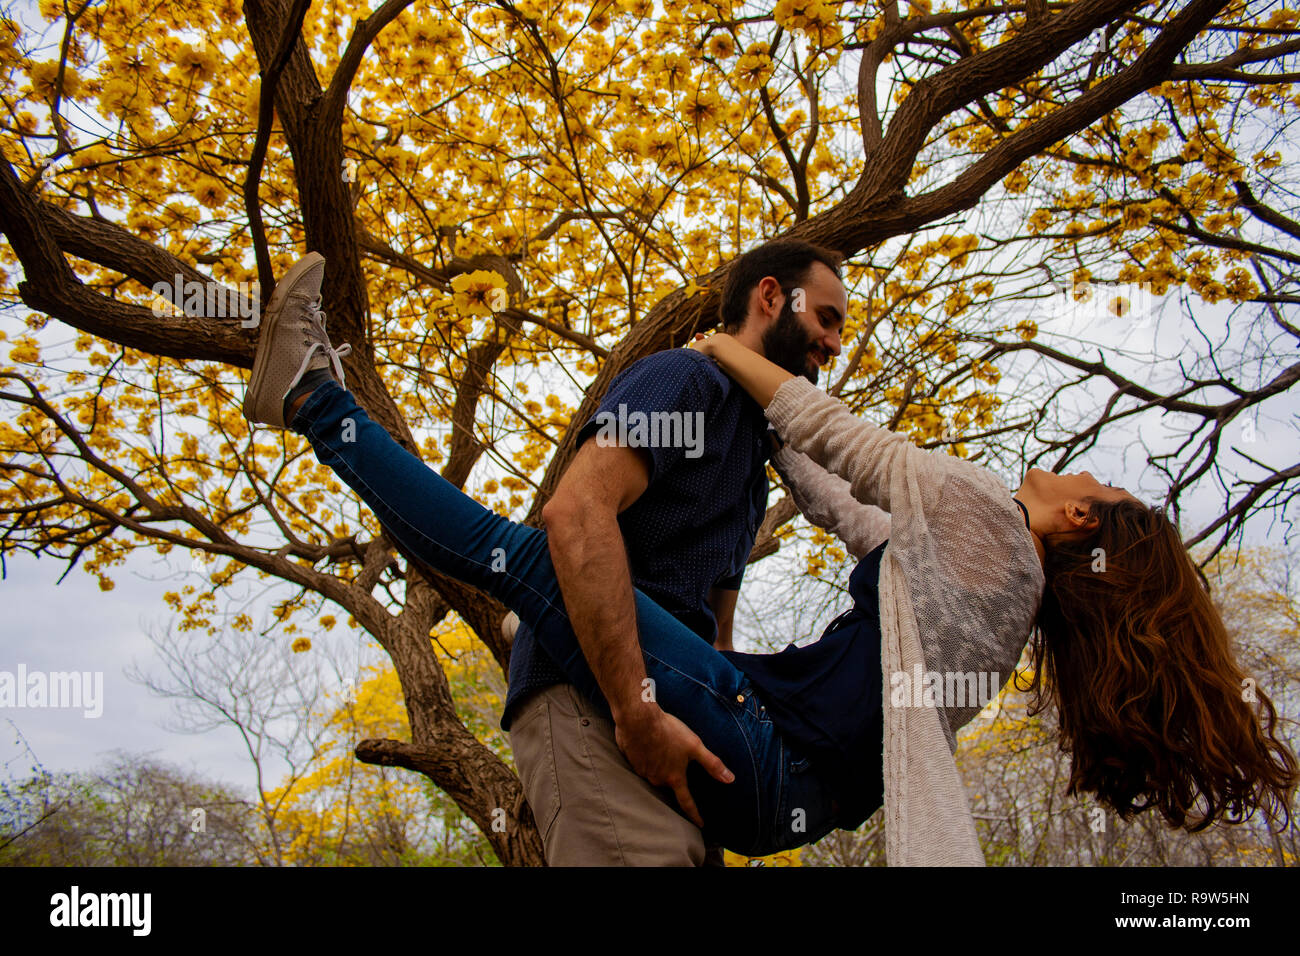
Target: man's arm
(723, 602)
(590, 559)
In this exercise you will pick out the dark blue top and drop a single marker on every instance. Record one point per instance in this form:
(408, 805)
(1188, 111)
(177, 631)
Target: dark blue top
(826, 697)
(693, 527)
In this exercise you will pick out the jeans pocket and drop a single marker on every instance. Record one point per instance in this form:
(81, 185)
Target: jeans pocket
(752, 705)
(805, 811)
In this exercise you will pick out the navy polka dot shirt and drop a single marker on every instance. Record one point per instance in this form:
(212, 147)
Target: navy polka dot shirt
(693, 527)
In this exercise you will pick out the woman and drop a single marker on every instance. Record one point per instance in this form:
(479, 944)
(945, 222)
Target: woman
(1127, 643)
(960, 580)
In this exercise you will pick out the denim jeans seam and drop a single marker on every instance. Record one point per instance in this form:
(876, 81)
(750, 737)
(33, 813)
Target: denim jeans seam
(782, 799)
(395, 517)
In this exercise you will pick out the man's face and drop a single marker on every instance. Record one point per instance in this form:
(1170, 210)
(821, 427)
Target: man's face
(806, 333)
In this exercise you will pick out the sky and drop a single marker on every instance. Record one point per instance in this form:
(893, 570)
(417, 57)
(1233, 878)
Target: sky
(52, 627)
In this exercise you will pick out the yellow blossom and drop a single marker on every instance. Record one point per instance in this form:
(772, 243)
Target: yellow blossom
(481, 292)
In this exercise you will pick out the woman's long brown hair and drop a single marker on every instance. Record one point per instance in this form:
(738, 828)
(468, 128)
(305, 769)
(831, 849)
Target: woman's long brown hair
(1153, 706)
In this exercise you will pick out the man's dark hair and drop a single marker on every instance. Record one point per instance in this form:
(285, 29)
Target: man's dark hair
(786, 260)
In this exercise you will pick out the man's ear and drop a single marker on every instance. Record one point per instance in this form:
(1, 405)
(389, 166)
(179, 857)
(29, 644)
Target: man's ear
(770, 296)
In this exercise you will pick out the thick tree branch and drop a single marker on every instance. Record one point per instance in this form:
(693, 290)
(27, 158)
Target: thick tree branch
(1149, 69)
(517, 840)
(289, 34)
(1225, 68)
(50, 286)
(1264, 213)
(965, 81)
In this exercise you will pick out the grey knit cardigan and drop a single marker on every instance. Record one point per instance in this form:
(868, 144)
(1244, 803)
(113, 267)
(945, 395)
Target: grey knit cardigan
(960, 586)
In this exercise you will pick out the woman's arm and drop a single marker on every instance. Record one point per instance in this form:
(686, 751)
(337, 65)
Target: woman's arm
(823, 498)
(823, 428)
(877, 463)
(826, 501)
(747, 368)
(874, 461)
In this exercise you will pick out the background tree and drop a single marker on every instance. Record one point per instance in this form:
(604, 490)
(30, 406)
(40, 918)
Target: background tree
(133, 811)
(342, 812)
(603, 165)
(266, 692)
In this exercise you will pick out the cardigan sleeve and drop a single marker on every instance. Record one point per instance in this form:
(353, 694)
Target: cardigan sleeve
(826, 501)
(873, 460)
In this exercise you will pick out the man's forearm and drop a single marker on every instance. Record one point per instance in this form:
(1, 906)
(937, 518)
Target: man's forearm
(590, 560)
(591, 566)
(723, 602)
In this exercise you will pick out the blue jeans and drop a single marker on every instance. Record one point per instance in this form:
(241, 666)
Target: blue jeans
(777, 801)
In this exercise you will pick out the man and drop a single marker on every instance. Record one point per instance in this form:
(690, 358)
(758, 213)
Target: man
(604, 778)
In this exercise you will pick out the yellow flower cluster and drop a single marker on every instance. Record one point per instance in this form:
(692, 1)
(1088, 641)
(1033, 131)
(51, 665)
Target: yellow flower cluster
(1017, 181)
(754, 68)
(812, 17)
(25, 351)
(720, 45)
(481, 292)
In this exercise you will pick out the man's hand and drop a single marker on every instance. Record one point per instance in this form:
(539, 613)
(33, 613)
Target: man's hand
(660, 748)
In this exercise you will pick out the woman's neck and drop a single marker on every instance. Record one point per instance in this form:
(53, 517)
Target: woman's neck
(1038, 539)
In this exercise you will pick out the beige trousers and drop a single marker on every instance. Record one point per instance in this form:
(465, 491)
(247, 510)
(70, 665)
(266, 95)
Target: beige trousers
(590, 806)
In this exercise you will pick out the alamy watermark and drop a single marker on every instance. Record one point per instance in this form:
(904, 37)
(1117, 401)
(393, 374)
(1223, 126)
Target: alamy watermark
(638, 429)
(210, 300)
(57, 689)
(75, 908)
(943, 689)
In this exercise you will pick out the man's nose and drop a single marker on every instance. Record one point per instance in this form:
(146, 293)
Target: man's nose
(831, 342)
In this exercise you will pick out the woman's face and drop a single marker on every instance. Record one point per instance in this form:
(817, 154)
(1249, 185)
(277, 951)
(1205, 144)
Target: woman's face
(1060, 501)
(1047, 485)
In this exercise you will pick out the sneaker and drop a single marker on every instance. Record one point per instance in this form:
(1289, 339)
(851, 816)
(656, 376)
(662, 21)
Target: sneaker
(292, 342)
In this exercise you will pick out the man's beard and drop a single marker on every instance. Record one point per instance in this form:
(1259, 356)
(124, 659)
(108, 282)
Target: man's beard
(786, 344)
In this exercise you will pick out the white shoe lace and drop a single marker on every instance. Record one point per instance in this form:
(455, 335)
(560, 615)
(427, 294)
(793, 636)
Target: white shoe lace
(316, 340)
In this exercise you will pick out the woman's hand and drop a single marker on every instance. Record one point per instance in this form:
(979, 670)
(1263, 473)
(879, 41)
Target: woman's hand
(708, 344)
(755, 374)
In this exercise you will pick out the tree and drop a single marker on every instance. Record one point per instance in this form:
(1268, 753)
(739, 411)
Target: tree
(133, 812)
(262, 690)
(340, 812)
(574, 156)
